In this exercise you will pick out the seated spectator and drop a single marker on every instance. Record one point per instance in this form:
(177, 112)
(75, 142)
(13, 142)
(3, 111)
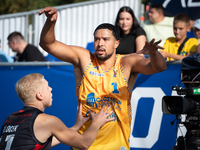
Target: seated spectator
(4, 57)
(196, 29)
(190, 33)
(132, 35)
(198, 49)
(158, 26)
(180, 46)
(25, 51)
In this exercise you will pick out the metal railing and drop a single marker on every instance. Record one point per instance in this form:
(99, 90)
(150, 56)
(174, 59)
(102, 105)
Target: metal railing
(75, 25)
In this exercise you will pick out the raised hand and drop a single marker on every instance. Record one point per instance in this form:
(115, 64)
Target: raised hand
(150, 47)
(102, 116)
(50, 12)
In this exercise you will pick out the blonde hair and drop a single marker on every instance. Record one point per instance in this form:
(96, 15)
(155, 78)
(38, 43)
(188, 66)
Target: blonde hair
(28, 86)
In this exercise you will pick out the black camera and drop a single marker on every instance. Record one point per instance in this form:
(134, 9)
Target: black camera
(187, 102)
(179, 104)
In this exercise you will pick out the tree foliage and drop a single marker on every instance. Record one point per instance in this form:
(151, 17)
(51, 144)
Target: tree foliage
(146, 2)
(14, 6)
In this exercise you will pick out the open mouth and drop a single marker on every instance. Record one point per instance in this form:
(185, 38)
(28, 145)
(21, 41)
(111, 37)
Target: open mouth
(101, 51)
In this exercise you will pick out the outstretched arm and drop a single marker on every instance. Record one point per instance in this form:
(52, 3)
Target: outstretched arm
(49, 43)
(80, 121)
(174, 56)
(155, 64)
(53, 126)
(158, 62)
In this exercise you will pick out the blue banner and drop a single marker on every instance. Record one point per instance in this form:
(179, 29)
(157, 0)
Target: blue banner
(173, 7)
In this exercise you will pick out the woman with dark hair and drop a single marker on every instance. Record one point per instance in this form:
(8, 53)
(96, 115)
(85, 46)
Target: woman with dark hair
(132, 35)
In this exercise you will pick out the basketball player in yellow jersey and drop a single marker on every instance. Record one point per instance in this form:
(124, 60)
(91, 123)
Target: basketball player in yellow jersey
(104, 76)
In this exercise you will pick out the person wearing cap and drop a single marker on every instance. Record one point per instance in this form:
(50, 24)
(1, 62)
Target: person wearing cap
(196, 28)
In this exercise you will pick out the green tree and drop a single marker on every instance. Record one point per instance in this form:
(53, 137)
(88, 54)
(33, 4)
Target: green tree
(146, 2)
(14, 6)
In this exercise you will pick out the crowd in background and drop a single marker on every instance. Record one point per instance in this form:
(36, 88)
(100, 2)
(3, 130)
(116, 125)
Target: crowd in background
(174, 32)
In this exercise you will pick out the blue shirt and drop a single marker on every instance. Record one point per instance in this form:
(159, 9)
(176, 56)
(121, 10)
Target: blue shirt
(5, 58)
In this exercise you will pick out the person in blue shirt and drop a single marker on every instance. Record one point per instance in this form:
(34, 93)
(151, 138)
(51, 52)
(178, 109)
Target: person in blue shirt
(4, 57)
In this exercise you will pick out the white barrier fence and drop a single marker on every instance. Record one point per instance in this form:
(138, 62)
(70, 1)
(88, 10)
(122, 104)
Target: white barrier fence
(75, 25)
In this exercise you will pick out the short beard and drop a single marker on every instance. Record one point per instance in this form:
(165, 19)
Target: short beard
(99, 57)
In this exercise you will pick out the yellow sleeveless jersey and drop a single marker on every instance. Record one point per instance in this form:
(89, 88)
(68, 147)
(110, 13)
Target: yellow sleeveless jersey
(98, 86)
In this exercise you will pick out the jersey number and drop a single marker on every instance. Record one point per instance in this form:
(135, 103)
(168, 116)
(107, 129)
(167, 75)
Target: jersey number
(9, 140)
(115, 91)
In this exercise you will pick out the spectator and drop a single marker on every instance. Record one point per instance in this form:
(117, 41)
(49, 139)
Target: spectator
(132, 35)
(198, 49)
(158, 26)
(25, 51)
(180, 46)
(190, 33)
(196, 28)
(3, 56)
